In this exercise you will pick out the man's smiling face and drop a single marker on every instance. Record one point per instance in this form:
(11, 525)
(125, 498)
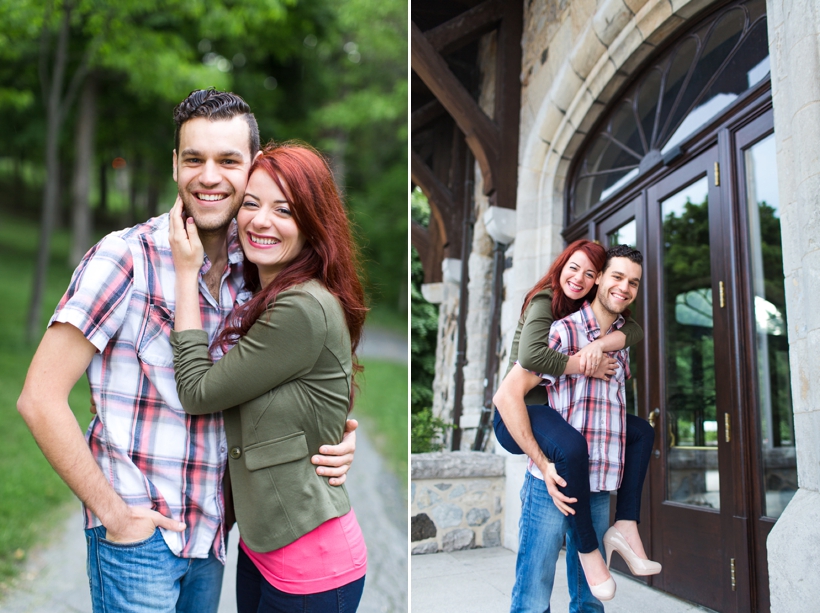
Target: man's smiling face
(618, 284)
(211, 169)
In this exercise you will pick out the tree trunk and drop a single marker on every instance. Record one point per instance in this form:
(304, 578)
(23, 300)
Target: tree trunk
(84, 158)
(51, 192)
(104, 187)
(152, 191)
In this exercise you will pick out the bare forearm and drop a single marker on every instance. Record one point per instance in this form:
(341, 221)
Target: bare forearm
(510, 404)
(187, 315)
(614, 341)
(58, 435)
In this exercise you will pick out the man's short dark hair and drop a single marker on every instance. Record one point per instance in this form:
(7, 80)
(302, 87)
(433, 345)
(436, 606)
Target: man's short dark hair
(214, 105)
(623, 251)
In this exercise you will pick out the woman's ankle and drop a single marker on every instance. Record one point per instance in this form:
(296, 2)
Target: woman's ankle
(594, 567)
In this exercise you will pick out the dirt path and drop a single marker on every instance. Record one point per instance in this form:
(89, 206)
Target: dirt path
(54, 579)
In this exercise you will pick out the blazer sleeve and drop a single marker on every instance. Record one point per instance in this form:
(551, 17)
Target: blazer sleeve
(534, 352)
(632, 331)
(281, 346)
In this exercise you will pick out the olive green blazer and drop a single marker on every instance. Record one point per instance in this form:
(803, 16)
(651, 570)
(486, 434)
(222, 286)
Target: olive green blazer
(530, 346)
(284, 390)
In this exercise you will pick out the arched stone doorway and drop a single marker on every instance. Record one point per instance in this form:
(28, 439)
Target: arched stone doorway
(712, 372)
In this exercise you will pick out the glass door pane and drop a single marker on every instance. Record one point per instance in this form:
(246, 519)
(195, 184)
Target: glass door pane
(691, 437)
(774, 401)
(627, 234)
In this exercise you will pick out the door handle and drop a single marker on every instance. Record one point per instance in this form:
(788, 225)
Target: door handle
(653, 415)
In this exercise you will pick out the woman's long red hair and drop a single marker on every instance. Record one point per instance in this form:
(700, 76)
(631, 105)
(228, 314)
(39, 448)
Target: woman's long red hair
(561, 305)
(329, 255)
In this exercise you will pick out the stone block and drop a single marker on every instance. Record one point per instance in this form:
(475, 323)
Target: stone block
(447, 515)
(689, 8)
(656, 21)
(456, 540)
(480, 484)
(810, 282)
(433, 292)
(586, 52)
(548, 121)
(477, 517)
(443, 486)
(807, 431)
(610, 20)
(491, 536)
(455, 465)
(566, 87)
(636, 5)
(562, 140)
(793, 564)
(592, 114)
(474, 499)
(630, 51)
(458, 491)
(422, 527)
(431, 547)
(605, 82)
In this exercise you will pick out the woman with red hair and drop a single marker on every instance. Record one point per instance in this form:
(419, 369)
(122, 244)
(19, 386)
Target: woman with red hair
(285, 383)
(570, 282)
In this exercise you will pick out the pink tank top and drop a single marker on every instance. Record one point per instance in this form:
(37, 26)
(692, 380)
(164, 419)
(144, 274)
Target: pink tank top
(326, 558)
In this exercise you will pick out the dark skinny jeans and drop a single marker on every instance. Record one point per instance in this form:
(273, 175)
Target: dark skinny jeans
(568, 450)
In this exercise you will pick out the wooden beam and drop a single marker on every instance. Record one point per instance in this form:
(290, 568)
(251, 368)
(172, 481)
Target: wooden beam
(508, 102)
(467, 27)
(425, 114)
(482, 135)
(437, 193)
(420, 239)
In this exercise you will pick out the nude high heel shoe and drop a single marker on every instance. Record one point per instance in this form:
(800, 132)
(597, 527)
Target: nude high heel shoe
(637, 566)
(602, 591)
(605, 590)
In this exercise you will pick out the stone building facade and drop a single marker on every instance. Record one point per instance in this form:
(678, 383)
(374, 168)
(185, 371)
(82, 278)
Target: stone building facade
(755, 531)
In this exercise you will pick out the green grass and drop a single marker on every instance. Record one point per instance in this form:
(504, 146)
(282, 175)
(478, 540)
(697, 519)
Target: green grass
(31, 493)
(383, 403)
(32, 496)
(381, 316)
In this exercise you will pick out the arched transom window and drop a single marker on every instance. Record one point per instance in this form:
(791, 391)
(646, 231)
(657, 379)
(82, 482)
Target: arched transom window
(701, 75)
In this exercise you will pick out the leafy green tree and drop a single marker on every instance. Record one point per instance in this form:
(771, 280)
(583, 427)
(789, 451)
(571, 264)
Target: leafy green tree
(332, 74)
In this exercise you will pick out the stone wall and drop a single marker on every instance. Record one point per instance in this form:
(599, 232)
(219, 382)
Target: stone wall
(794, 44)
(445, 295)
(456, 501)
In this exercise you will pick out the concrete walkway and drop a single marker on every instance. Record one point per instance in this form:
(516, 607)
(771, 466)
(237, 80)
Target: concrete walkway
(54, 579)
(482, 580)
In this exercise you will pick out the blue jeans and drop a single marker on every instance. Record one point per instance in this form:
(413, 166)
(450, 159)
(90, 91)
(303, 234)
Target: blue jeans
(146, 577)
(255, 595)
(568, 450)
(541, 534)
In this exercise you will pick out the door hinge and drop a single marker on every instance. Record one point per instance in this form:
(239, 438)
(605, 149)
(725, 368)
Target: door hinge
(727, 427)
(722, 292)
(734, 581)
(717, 174)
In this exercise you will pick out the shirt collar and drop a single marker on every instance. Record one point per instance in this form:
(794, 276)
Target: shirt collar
(591, 327)
(235, 255)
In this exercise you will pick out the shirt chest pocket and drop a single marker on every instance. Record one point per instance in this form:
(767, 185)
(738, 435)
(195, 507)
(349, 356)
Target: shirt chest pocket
(154, 346)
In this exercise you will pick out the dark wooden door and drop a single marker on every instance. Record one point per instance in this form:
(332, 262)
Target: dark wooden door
(712, 374)
(767, 427)
(692, 383)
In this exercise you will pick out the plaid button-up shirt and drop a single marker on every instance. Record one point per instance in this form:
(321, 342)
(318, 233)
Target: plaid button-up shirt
(121, 298)
(594, 407)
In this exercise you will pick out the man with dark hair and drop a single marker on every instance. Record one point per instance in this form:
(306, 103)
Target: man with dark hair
(592, 406)
(150, 476)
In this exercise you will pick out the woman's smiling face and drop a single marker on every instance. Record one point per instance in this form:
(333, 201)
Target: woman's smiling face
(577, 276)
(267, 231)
